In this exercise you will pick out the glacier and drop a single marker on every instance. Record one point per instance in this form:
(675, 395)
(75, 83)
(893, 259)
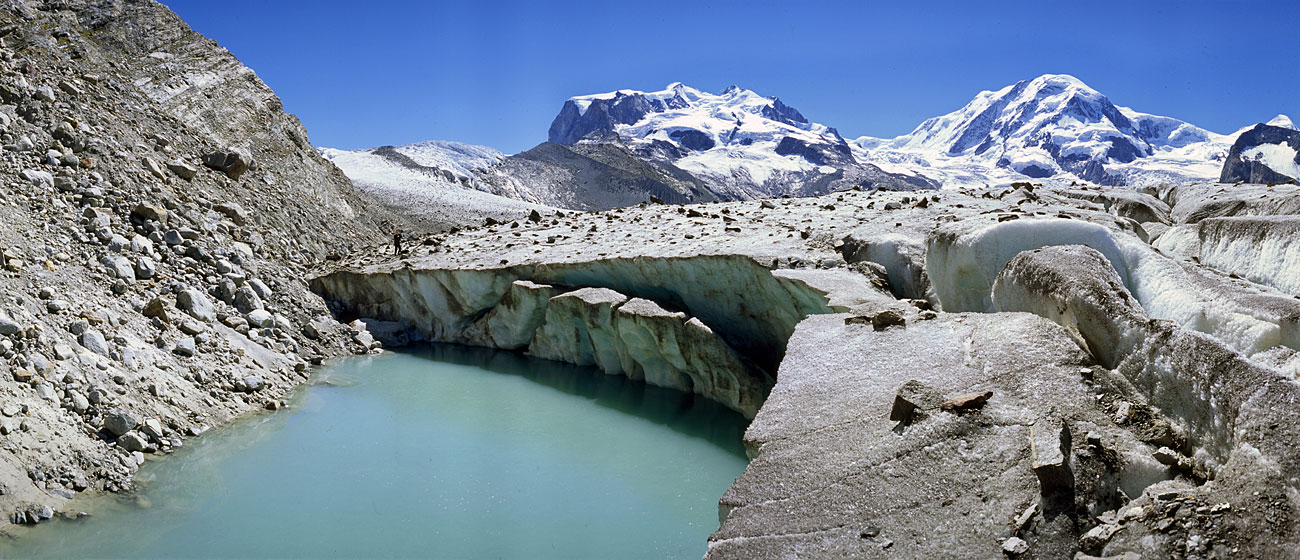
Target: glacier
(1151, 329)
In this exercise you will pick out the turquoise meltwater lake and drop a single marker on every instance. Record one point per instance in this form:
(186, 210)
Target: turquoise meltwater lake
(441, 452)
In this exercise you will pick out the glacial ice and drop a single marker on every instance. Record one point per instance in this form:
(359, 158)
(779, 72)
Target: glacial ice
(1192, 378)
(1262, 249)
(613, 314)
(963, 261)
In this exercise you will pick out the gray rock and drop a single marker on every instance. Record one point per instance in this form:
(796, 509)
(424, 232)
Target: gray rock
(281, 322)
(119, 421)
(79, 402)
(196, 303)
(226, 290)
(1049, 440)
(46, 391)
(120, 267)
(153, 428)
(93, 340)
(145, 268)
(1098, 536)
(1014, 546)
(118, 243)
(233, 162)
(97, 219)
(63, 352)
(233, 211)
(153, 168)
(185, 347)
(254, 383)
(8, 326)
(263, 291)
(129, 359)
(38, 178)
(260, 318)
(133, 441)
(70, 88)
(246, 300)
(310, 330)
(44, 93)
(182, 169)
(141, 244)
(173, 237)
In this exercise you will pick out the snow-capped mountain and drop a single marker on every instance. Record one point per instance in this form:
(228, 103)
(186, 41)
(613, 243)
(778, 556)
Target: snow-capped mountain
(1266, 153)
(454, 184)
(1053, 126)
(681, 145)
(435, 182)
(743, 145)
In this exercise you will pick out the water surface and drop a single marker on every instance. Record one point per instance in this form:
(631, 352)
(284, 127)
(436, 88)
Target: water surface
(447, 452)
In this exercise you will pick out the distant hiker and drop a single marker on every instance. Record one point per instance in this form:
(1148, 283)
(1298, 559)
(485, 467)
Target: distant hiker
(397, 243)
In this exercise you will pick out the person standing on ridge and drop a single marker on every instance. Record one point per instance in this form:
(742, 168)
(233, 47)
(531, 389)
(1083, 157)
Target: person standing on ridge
(397, 243)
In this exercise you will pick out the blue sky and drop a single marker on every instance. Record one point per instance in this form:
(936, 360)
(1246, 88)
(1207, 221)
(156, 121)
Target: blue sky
(364, 74)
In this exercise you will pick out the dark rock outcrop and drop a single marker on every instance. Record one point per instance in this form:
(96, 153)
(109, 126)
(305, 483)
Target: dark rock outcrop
(818, 154)
(602, 115)
(1239, 168)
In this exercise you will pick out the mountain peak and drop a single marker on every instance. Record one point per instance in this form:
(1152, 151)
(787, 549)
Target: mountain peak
(1060, 79)
(1282, 121)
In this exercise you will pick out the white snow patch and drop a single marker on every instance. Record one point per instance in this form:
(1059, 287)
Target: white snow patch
(1278, 157)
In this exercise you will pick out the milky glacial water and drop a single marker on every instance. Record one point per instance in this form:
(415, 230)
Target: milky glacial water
(445, 452)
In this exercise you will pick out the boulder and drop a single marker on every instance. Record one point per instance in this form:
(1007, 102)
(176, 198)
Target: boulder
(133, 441)
(231, 161)
(253, 383)
(94, 341)
(246, 299)
(182, 169)
(261, 318)
(232, 211)
(146, 212)
(8, 326)
(196, 303)
(120, 267)
(185, 347)
(157, 307)
(119, 421)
